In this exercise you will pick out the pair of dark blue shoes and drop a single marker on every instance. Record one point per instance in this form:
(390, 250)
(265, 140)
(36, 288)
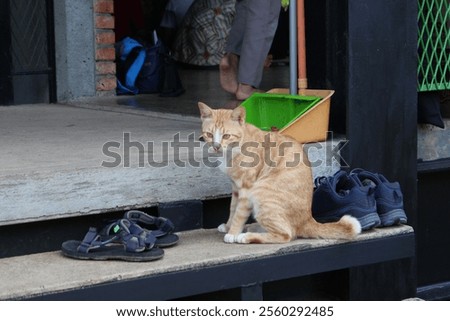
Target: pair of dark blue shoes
(367, 196)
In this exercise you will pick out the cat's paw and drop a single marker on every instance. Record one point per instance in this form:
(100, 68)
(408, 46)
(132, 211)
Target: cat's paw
(229, 238)
(222, 228)
(242, 238)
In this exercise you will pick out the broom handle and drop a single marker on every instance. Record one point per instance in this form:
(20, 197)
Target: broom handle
(293, 52)
(302, 79)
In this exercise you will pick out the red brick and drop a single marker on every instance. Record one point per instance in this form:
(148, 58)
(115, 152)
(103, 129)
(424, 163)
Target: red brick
(104, 6)
(104, 22)
(105, 68)
(106, 53)
(106, 83)
(107, 37)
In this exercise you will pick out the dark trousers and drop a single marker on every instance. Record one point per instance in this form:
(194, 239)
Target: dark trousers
(251, 37)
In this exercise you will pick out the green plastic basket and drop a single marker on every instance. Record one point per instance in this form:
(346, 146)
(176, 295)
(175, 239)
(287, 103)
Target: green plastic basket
(269, 111)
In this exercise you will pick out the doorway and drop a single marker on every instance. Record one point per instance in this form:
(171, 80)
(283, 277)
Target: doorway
(27, 72)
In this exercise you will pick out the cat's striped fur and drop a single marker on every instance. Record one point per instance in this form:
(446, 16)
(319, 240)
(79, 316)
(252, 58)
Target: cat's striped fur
(271, 180)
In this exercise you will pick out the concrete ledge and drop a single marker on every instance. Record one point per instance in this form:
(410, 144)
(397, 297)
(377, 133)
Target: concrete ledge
(52, 156)
(194, 266)
(433, 143)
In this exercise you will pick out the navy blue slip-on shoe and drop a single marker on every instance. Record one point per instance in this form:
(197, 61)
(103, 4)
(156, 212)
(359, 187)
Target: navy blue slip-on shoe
(388, 196)
(341, 195)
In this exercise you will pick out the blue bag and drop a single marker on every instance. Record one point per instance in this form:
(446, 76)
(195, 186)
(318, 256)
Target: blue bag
(146, 69)
(131, 56)
(148, 81)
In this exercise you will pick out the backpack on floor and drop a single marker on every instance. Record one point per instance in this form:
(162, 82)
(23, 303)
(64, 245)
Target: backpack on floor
(159, 74)
(148, 81)
(130, 59)
(146, 69)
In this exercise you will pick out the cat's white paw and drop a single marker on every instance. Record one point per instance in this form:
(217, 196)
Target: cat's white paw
(222, 228)
(242, 238)
(229, 238)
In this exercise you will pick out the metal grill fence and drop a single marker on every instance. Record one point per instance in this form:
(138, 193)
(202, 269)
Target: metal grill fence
(434, 45)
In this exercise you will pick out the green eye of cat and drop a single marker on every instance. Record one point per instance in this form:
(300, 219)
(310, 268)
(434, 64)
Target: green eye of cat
(226, 136)
(208, 135)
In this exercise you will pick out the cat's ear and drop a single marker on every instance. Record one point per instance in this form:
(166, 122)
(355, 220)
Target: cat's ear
(238, 115)
(205, 111)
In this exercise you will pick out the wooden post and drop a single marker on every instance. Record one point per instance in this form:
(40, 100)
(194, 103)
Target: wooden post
(382, 120)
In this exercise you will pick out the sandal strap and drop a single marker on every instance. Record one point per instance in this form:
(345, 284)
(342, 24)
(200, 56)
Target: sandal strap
(164, 225)
(93, 240)
(133, 243)
(134, 237)
(147, 238)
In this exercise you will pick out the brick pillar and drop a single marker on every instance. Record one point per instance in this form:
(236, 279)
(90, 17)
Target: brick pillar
(105, 67)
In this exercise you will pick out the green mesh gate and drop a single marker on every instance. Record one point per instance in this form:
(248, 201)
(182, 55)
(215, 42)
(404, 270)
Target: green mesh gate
(434, 45)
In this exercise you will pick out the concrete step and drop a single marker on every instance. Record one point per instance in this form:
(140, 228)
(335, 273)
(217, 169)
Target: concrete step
(433, 142)
(201, 262)
(62, 161)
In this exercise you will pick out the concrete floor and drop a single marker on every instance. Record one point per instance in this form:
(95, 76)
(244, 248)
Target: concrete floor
(48, 273)
(200, 85)
(56, 160)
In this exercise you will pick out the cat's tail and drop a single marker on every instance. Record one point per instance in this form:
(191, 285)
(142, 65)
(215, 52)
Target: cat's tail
(346, 228)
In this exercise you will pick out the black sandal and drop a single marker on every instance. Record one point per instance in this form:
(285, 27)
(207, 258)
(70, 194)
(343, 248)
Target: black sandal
(160, 227)
(123, 240)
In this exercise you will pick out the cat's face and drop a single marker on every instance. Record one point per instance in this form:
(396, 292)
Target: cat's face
(222, 128)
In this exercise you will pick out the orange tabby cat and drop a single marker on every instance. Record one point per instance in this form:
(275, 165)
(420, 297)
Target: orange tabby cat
(271, 179)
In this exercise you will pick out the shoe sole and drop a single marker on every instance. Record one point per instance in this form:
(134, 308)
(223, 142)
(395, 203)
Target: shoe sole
(369, 221)
(114, 252)
(394, 217)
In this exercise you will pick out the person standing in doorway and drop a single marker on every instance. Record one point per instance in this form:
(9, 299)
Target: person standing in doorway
(248, 44)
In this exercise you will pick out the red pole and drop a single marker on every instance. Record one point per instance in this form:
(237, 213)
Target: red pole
(301, 41)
